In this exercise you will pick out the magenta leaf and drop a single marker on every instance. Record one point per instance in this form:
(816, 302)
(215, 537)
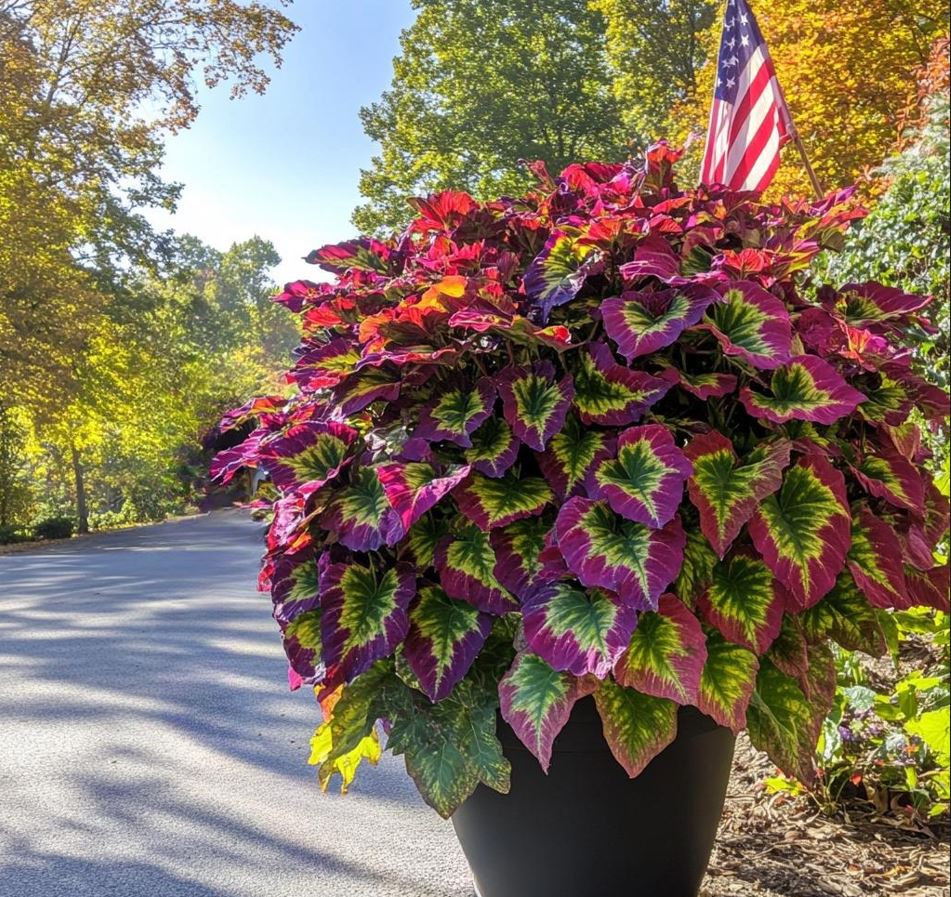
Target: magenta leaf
(534, 403)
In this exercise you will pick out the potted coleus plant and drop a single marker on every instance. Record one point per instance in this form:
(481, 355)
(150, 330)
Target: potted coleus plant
(575, 486)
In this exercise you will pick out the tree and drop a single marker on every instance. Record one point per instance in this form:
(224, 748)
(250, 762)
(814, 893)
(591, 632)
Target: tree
(656, 50)
(847, 68)
(479, 85)
(88, 91)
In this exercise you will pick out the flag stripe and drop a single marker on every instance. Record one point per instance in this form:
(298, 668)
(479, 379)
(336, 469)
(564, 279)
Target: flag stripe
(749, 121)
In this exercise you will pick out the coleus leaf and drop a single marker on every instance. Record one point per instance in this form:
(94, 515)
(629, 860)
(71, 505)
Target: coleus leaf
(490, 502)
(294, 587)
(524, 558)
(571, 454)
(645, 481)
(534, 402)
(875, 561)
(308, 454)
(330, 759)
(304, 647)
(455, 413)
(667, 653)
(807, 388)
(930, 588)
(696, 571)
(577, 631)
(752, 323)
(727, 683)
(886, 474)
(421, 541)
(783, 722)
(363, 614)
(608, 393)
(642, 323)
(536, 701)
(803, 531)
(607, 551)
(360, 514)
(365, 387)
(444, 638)
(710, 385)
(414, 487)
(558, 272)
(871, 303)
(637, 727)
(846, 617)
(364, 254)
(727, 493)
(745, 601)
(494, 448)
(466, 564)
(326, 365)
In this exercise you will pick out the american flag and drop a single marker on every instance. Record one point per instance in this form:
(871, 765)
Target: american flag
(749, 121)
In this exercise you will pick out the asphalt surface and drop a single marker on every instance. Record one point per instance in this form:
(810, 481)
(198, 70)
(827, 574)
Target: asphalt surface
(149, 746)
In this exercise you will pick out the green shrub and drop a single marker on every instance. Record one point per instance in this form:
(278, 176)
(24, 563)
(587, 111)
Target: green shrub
(54, 528)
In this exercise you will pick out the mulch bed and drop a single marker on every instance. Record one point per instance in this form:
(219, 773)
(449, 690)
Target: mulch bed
(775, 845)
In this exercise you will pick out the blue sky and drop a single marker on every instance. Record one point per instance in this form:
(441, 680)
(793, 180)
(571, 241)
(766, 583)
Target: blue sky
(285, 166)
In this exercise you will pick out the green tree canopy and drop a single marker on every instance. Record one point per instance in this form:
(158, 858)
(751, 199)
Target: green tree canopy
(481, 84)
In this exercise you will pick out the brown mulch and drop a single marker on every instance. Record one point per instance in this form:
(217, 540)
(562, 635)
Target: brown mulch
(775, 845)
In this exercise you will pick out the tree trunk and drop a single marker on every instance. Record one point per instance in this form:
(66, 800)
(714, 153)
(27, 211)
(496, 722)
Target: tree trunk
(82, 511)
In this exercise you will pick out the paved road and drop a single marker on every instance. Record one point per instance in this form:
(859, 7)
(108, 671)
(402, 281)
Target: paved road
(149, 746)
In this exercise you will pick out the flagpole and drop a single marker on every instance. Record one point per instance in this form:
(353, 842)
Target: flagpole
(816, 186)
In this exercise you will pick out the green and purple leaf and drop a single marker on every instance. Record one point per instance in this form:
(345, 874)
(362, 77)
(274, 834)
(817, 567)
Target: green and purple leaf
(414, 487)
(294, 586)
(466, 565)
(607, 551)
(366, 386)
(571, 454)
(307, 454)
(727, 493)
(494, 448)
(326, 365)
(534, 402)
(784, 723)
(745, 601)
(875, 561)
(667, 653)
(888, 475)
(803, 531)
(637, 727)
(727, 683)
(455, 413)
(643, 322)
(751, 323)
(536, 701)
(711, 385)
(575, 630)
(559, 271)
(696, 571)
(846, 617)
(645, 481)
(524, 557)
(363, 254)
(444, 637)
(303, 647)
(360, 514)
(807, 388)
(364, 614)
(490, 502)
(610, 394)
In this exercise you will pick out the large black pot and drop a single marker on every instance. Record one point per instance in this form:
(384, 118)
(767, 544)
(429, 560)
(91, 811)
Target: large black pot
(586, 829)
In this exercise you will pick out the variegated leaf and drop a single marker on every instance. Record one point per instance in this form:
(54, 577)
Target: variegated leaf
(667, 653)
(727, 493)
(803, 531)
(534, 402)
(608, 393)
(807, 388)
(536, 701)
(571, 454)
(415, 487)
(558, 272)
(494, 448)
(727, 683)
(455, 413)
(607, 551)
(490, 502)
(466, 564)
(645, 481)
(307, 454)
(575, 630)
(643, 322)
(745, 601)
(875, 561)
(752, 323)
(524, 558)
(444, 637)
(363, 614)
(360, 514)
(637, 727)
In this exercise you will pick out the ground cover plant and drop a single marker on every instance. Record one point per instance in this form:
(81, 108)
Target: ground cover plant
(602, 439)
